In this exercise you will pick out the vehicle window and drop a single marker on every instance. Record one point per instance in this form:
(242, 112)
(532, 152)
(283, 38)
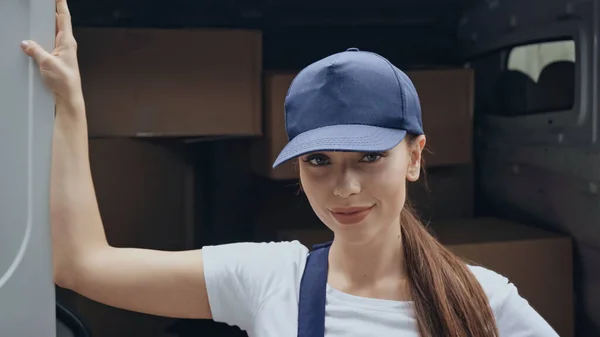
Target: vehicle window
(527, 79)
(532, 59)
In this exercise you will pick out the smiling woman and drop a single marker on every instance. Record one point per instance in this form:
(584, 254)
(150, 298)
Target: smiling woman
(354, 119)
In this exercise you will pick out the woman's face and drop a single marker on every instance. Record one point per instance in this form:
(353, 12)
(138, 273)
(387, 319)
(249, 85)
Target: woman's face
(360, 195)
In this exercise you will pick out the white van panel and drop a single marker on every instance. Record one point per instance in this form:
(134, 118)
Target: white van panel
(27, 300)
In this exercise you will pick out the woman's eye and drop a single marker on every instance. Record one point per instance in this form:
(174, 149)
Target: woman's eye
(318, 160)
(371, 157)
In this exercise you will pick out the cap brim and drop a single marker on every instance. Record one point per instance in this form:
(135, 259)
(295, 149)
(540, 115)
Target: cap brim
(358, 138)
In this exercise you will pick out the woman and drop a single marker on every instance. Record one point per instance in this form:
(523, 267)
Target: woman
(354, 122)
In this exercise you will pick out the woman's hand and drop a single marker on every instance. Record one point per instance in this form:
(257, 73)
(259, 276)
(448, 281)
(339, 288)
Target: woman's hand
(59, 68)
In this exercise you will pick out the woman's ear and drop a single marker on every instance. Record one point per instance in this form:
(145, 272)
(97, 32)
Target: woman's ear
(415, 151)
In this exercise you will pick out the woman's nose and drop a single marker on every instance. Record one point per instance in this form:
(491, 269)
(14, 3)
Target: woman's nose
(347, 184)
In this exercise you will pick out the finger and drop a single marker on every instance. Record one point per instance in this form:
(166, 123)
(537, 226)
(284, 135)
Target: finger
(62, 7)
(63, 17)
(35, 51)
(56, 30)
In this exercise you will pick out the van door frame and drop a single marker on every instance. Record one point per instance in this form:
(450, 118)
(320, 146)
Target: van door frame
(27, 290)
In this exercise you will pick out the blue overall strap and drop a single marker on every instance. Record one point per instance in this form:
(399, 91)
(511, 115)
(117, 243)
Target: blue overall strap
(313, 287)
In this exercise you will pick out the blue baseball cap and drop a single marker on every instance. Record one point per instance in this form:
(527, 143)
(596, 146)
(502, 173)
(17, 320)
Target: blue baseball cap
(349, 101)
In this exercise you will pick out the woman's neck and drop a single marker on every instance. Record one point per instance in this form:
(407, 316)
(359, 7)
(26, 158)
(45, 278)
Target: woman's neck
(369, 264)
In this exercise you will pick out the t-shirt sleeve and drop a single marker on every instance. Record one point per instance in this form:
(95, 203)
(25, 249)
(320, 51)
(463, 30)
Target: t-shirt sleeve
(241, 276)
(515, 317)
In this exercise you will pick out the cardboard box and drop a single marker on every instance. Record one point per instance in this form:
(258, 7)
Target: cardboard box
(266, 149)
(538, 262)
(443, 193)
(446, 100)
(144, 195)
(163, 82)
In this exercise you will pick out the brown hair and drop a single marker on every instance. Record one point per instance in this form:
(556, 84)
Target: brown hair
(448, 299)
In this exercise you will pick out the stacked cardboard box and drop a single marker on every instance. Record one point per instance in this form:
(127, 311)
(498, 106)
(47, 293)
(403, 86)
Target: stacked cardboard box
(171, 83)
(162, 85)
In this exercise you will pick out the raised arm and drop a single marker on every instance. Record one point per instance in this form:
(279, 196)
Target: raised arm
(148, 281)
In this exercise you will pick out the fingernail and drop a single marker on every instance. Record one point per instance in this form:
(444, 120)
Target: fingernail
(24, 43)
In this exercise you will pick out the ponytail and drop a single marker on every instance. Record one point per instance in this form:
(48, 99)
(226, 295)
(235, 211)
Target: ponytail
(448, 299)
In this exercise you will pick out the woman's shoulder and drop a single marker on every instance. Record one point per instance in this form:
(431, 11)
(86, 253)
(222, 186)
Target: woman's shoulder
(514, 315)
(496, 286)
(240, 277)
(501, 293)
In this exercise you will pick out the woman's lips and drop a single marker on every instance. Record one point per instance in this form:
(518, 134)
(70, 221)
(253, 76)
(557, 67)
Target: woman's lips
(351, 215)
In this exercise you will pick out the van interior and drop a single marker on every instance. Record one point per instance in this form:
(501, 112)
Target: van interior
(185, 112)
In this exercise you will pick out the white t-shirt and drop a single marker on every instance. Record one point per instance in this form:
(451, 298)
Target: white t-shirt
(255, 286)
